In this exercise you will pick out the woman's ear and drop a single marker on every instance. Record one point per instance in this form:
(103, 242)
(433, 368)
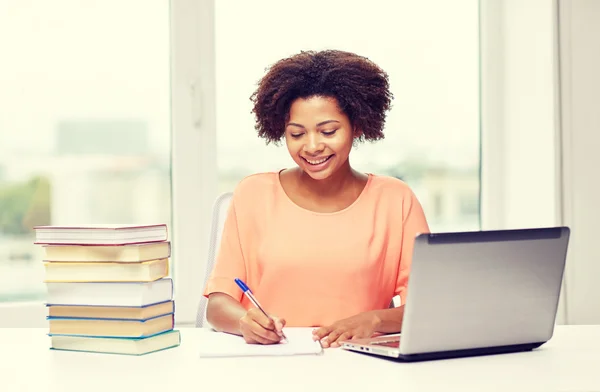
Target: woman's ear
(356, 137)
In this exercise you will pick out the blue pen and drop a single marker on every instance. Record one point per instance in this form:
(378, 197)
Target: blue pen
(250, 296)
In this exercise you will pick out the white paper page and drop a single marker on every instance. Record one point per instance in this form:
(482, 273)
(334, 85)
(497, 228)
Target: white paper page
(218, 344)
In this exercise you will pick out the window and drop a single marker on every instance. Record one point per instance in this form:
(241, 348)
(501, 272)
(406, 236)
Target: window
(88, 93)
(85, 125)
(430, 51)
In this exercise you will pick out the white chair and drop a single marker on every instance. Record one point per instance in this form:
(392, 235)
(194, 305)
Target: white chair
(218, 221)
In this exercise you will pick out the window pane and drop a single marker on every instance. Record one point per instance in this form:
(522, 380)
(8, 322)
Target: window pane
(84, 123)
(429, 49)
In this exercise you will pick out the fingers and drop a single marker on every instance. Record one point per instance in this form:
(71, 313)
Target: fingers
(256, 328)
(261, 319)
(255, 333)
(331, 337)
(266, 334)
(279, 323)
(270, 323)
(253, 337)
(340, 339)
(327, 335)
(320, 333)
(359, 326)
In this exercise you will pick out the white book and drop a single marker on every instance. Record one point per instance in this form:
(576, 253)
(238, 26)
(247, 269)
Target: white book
(110, 294)
(100, 234)
(220, 344)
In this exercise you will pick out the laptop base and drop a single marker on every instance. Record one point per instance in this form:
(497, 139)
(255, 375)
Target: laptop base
(382, 352)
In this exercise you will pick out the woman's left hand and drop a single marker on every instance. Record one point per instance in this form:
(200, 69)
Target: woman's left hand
(362, 325)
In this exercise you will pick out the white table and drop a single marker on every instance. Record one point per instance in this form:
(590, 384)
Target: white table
(569, 362)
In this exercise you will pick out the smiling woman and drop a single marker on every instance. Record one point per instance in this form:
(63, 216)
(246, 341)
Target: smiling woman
(320, 227)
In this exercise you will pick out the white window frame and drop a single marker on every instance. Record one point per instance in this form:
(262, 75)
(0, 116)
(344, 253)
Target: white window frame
(509, 136)
(520, 117)
(194, 163)
(194, 159)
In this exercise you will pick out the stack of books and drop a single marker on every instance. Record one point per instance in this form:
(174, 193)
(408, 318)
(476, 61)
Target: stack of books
(108, 288)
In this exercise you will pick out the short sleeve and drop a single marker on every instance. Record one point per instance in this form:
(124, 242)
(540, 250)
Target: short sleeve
(229, 262)
(414, 223)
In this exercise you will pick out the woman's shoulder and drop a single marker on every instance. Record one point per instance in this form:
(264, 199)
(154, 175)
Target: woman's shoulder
(257, 182)
(394, 197)
(255, 188)
(390, 185)
(391, 192)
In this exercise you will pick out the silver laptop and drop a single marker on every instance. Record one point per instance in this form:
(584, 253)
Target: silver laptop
(477, 293)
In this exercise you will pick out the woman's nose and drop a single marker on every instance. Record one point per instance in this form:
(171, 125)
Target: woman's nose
(313, 144)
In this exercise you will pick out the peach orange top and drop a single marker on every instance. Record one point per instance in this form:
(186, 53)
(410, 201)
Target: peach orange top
(310, 268)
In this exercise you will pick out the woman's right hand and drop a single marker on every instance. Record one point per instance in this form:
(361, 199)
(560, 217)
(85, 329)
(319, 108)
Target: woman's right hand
(256, 328)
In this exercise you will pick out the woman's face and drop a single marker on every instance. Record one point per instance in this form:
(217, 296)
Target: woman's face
(318, 136)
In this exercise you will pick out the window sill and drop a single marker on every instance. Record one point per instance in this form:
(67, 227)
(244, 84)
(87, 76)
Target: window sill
(31, 314)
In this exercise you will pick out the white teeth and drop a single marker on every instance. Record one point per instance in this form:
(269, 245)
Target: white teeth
(316, 162)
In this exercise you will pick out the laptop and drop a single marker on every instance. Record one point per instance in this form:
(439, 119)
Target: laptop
(477, 293)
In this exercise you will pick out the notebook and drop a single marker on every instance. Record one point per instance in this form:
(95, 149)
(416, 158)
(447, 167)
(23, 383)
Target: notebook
(219, 344)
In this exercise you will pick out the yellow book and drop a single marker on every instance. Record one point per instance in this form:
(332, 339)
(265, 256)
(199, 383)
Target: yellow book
(106, 272)
(111, 312)
(120, 328)
(133, 253)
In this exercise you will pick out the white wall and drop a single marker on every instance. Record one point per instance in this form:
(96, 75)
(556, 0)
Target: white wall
(579, 31)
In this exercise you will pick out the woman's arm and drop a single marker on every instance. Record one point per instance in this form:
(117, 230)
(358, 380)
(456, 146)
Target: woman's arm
(224, 313)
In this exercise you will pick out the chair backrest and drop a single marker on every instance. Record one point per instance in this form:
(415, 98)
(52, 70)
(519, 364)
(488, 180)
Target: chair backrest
(218, 221)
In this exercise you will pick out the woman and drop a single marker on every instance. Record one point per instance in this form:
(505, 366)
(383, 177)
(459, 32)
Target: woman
(321, 244)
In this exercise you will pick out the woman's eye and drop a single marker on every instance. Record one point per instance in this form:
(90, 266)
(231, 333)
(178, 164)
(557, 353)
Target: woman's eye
(295, 135)
(329, 133)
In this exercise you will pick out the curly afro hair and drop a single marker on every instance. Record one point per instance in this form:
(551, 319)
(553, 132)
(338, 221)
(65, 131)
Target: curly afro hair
(359, 86)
